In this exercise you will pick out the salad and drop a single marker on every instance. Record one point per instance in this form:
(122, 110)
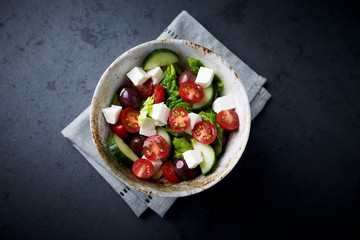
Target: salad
(169, 122)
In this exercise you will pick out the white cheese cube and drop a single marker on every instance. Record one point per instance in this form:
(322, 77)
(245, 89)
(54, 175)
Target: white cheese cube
(224, 103)
(194, 118)
(112, 114)
(138, 76)
(156, 74)
(204, 77)
(160, 113)
(193, 158)
(147, 128)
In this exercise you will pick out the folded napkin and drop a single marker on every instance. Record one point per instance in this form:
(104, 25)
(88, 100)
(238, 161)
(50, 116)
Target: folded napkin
(184, 27)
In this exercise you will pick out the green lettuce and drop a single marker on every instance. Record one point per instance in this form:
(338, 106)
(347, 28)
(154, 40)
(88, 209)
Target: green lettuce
(175, 101)
(145, 109)
(115, 99)
(218, 85)
(181, 145)
(169, 83)
(210, 116)
(168, 129)
(195, 64)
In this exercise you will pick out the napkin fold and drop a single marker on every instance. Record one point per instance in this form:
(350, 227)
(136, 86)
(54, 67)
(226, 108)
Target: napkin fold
(184, 26)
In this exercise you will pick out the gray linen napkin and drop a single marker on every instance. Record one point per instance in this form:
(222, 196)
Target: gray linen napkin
(184, 27)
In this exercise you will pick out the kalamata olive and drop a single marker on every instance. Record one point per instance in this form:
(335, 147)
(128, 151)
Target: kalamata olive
(129, 98)
(186, 76)
(146, 89)
(182, 170)
(136, 144)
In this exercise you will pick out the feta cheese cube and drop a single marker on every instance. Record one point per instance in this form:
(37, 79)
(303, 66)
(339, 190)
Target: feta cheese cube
(193, 158)
(160, 113)
(194, 118)
(138, 76)
(204, 77)
(112, 114)
(147, 128)
(156, 74)
(224, 103)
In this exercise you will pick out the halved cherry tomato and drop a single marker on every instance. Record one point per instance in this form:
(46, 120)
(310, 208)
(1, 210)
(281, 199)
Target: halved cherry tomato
(129, 118)
(169, 174)
(228, 119)
(191, 92)
(155, 147)
(143, 168)
(119, 129)
(146, 89)
(179, 120)
(159, 93)
(204, 132)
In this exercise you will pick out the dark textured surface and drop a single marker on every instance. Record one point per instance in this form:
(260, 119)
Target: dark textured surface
(299, 176)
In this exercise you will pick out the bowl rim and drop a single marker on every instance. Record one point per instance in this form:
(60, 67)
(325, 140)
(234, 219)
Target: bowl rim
(97, 140)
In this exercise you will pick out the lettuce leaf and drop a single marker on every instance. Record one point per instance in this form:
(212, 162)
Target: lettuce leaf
(181, 145)
(168, 129)
(169, 83)
(145, 109)
(175, 101)
(195, 64)
(115, 100)
(218, 85)
(210, 116)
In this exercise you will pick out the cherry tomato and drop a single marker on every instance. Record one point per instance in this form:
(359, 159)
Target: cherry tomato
(146, 89)
(119, 129)
(228, 119)
(143, 168)
(191, 92)
(129, 118)
(179, 120)
(169, 174)
(204, 132)
(155, 147)
(159, 93)
(186, 76)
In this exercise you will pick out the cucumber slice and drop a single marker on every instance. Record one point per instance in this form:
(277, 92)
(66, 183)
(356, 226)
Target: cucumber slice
(206, 101)
(208, 154)
(159, 58)
(160, 131)
(120, 150)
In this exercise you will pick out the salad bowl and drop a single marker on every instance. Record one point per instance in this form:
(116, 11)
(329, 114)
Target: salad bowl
(115, 76)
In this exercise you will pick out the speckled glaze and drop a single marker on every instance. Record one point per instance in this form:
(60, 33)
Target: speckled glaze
(115, 76)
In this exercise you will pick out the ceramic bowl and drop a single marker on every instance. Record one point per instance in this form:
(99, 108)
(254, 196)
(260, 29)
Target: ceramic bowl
(115, 76)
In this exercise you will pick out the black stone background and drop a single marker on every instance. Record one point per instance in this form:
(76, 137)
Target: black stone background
(299, 177)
